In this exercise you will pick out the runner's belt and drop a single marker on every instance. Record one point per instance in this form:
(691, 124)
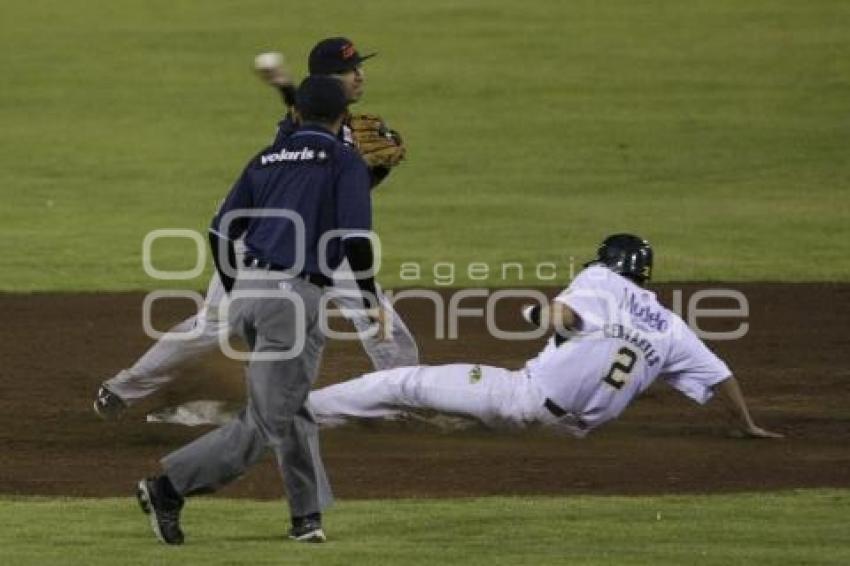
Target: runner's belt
(553, 408)
(560, 413)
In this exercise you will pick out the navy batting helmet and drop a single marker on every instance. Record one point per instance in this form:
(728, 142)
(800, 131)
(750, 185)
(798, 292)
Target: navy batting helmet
(626, 254)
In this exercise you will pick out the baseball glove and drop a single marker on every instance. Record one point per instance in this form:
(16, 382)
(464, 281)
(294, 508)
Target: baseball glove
(378, 145)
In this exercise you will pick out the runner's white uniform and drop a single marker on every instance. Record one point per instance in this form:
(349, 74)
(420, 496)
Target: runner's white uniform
(625, 341)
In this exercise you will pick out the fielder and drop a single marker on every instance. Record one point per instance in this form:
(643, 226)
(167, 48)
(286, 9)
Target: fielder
(611, 340)
(381, 148)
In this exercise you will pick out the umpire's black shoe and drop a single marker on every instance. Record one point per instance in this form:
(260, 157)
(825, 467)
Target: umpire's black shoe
(158, 499)
(108, 405)
(307, 528)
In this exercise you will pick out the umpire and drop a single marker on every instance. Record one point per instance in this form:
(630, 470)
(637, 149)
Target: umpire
(285, 200)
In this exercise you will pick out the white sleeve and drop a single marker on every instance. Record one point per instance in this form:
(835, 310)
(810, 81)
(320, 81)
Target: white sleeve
(592, 298)
(691, 367)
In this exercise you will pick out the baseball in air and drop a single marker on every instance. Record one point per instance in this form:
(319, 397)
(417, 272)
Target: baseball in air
(266, 61)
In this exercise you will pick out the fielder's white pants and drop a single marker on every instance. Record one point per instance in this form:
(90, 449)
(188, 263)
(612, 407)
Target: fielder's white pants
(156, 367)
(496, 397)
(174, 349)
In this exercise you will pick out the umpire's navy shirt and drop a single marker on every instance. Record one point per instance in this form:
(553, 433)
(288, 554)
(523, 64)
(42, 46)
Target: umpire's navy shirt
(311, 173)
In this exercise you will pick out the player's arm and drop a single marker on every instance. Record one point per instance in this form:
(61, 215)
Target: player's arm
(222, 248)
(733, 398)
(554, 316)
(270, 68)
(226, 227)
(361, 258)
(698, 373)
(354, 215)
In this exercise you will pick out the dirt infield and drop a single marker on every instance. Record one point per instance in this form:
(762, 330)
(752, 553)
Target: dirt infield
(793, 364)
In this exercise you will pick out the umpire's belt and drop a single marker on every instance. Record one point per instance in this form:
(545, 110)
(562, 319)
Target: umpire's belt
(314, 278)
(559, 412)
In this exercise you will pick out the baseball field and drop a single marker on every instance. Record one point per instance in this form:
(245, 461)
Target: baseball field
(716, 129)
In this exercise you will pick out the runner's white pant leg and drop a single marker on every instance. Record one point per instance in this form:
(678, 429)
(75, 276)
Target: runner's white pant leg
(385, 354)
(497, 397)
(155, 368)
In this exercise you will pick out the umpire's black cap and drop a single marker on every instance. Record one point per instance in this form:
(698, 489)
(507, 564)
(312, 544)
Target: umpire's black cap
(320, 98)
(335, 55)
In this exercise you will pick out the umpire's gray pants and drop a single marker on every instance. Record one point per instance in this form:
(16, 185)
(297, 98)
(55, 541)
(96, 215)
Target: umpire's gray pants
(275, 416)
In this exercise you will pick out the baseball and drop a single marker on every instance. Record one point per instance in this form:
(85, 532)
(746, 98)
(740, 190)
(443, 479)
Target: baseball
(269, 60)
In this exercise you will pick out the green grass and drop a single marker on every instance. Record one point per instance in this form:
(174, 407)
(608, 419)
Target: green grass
(805, 527)
(717, 128)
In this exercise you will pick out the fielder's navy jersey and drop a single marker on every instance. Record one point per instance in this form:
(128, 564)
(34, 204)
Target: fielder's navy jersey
(306, 185)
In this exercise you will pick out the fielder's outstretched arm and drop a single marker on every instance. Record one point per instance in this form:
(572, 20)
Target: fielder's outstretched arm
(270, 68)
(733, 397)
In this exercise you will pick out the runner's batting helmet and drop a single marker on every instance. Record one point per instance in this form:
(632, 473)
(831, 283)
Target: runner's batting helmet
(628, 255)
